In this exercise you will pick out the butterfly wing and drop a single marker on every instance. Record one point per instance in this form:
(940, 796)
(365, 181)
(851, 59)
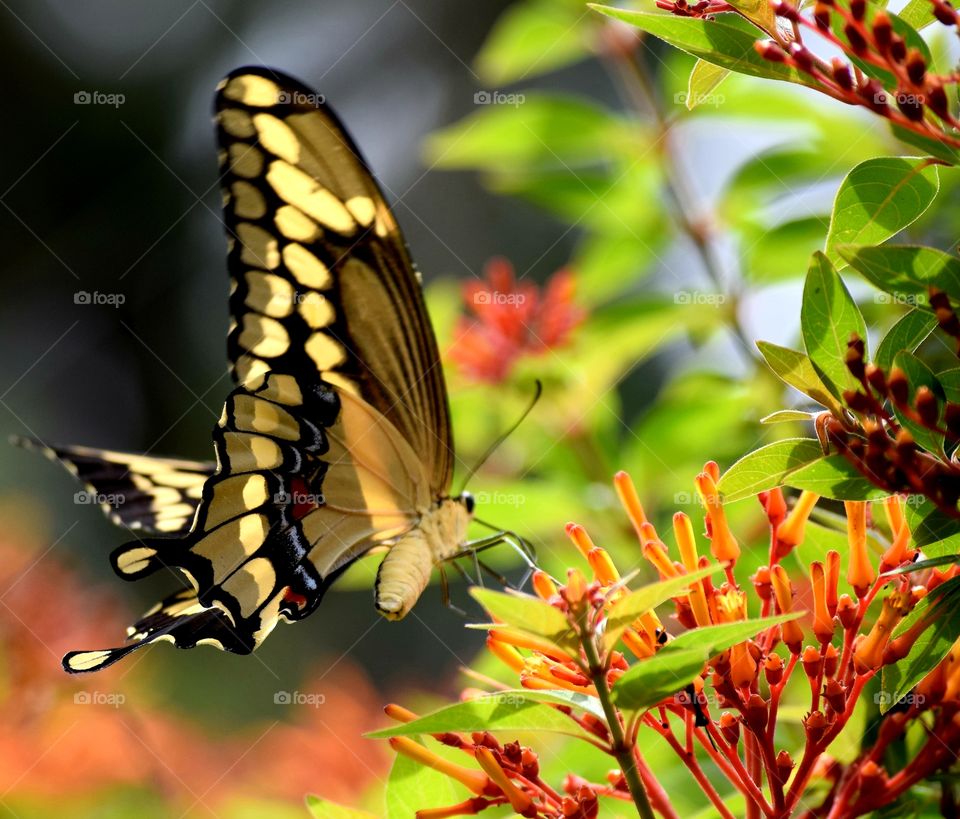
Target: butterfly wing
(322, 279)
(140, 492)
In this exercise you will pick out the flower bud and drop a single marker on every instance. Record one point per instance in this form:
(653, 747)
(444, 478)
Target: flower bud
(812, 662)
(730, 727)
(823, 626)
(784, 767)
(773, 669)
(860, 573)
(815, 724)
(755, 714)
(831, 659)
(723, 544)
(791, 631)
(630, 501)
(543, 585)
(790, 533)
(835, 695)
(847, 610)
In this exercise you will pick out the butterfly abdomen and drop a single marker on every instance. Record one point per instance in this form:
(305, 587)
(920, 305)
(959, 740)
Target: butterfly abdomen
(405, 571)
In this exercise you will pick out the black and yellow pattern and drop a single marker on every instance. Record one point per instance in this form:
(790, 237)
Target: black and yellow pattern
(337, 437)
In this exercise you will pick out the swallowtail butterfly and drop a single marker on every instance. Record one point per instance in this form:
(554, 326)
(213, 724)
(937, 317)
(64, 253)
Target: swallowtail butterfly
(336, 437)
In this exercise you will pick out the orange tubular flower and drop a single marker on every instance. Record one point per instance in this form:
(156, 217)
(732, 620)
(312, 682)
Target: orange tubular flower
(791, 631)
(790, 533)
(543, 585)
(656, 553)
(519, 801)
(723, 545)
(868, 654)
(683, 530)
(475, 781)
(860, 573)
(630, 501)
(823, 625)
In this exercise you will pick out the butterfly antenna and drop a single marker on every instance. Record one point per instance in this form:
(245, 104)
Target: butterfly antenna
(538, 391)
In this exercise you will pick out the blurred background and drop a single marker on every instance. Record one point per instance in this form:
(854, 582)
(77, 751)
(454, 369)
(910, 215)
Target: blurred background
(534, 131)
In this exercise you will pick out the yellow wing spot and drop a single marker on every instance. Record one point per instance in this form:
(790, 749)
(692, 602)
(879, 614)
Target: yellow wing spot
(234, 496)
(251, 453)
(362, 209)
(283, 389)
(269, 294)
(294, 224)
(172, 525)
(178, 511)
(257, 415)
(316, 309)
(306, 268)
(237, 123)
(251, 89)
(325, 352)
(88, 659)
(247, 368)
(341, 382)
(245, 160)
(277, 138)
(228, 546)
(252, 584)
(248, 201)
(259, 247)
(264, 337)
(135, 560)
(300, 189)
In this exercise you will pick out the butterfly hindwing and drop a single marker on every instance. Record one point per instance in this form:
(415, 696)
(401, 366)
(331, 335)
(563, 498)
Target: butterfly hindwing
(139, 492)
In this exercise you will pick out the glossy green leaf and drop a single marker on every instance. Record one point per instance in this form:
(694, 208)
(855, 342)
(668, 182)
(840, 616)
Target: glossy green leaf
(653, 680)
(835, 477)
(705, 78)
(784, 416)
(878, 199)
(796, 369)
(574, 699)
(496, 712)
(413, 786)
(918, 14)
(920, 375)
(715, 639)
(323, 809)
(767, 467)
(533, 38)
(828, 318)
(906, 335)
(931, 646)
(933, 531)
(906, 271)
(634, 603)
(933, 147)
(529, 614)
(931, 563)
(728, 44)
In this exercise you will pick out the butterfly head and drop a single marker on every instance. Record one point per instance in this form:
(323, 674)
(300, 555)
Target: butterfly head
(468, 501)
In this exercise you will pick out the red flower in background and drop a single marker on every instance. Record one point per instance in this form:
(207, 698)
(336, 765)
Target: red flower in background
(511, 319)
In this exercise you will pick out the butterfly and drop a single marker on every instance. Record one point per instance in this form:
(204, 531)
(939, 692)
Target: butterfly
(336, 437)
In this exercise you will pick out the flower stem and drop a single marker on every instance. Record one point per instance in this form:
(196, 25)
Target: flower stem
(619, 746)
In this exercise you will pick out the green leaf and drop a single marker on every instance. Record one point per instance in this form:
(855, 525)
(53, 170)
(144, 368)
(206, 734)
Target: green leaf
(933, 531)
(713, 640)
(323, 809)
(835, 477)
(933, 147)
(907, 334)
(920, 375)
(931, 646)
(728, 44)
(783, 252)
(932, 563)
(767, 467)
(653, 680)
(573, 699)
(906, 271)
(533, 38)
(918, 14)
(795, 368)
(631, 605)
(828, 318)
(783, 416)
(412, 787)
(528, 614)
(704, 79)
(878, 199)
(496, 712)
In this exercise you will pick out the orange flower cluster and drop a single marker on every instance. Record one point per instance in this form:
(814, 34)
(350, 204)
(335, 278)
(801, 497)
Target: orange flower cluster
(510, 320)
(839, 645)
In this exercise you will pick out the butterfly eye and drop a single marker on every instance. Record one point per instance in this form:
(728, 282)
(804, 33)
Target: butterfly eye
(468, 502)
